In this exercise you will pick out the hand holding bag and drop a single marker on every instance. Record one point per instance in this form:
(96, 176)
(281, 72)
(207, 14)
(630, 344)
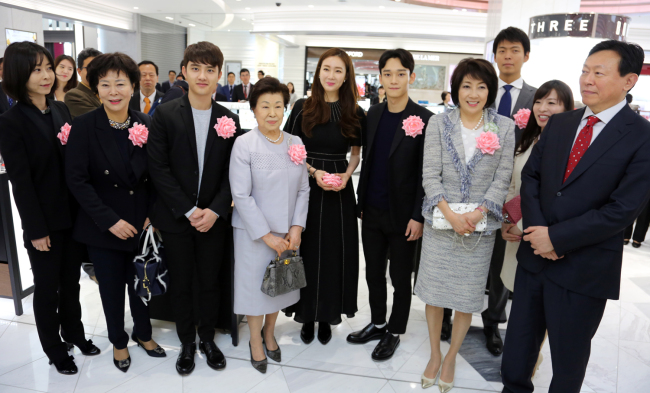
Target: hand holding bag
(151, 278)
(512, 210)
(440, 222)
(283, 276)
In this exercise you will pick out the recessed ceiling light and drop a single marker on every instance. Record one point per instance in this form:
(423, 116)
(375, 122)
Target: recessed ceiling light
(311, 6)
(228, 29)
(192, 24)
(248, 8)
(243, 18)
(381, 7)
(169, 17)
(135, 8)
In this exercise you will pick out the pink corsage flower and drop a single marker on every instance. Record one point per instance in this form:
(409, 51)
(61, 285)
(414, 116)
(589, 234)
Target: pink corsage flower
(64, 134)
(332, 180)
(138, 134)
(413, 126)
(297, 153)
(521, 117)
(225, 127)
(488, 142)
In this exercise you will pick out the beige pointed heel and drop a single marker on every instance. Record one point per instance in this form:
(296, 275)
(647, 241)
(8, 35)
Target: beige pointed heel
(446, 386)
(428, 382)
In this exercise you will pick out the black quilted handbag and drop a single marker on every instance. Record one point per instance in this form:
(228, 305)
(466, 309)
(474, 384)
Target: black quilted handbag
(151, 278)
(284, 275)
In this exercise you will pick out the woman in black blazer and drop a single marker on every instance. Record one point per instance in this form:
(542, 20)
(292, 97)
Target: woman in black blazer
(34, 158)
(106, 170)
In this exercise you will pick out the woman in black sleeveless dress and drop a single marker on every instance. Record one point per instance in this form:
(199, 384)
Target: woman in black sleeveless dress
(330, 124)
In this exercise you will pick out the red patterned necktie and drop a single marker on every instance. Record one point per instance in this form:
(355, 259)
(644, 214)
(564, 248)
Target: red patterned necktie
(581, 145)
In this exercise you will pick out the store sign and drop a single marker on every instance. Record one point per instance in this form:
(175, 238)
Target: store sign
(579, 25)
(354, 53)
(426, 57)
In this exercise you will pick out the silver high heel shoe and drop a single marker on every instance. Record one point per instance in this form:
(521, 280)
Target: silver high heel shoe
(259, 365)
(427, 382)
(446, 386)
(275, 355)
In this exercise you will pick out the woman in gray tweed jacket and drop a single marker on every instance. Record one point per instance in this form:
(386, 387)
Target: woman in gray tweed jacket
(468, 158)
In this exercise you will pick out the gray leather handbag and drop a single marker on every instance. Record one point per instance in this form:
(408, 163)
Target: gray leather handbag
(283, 276)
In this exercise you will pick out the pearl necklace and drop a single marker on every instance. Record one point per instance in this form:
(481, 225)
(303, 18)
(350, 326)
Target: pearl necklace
(477, 124)
(273, 141)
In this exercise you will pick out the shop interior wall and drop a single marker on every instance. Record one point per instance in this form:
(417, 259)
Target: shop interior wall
(12, 18)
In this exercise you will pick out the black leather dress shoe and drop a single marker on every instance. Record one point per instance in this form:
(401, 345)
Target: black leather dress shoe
(307, 332)
(185, 363)
(494, 342)
(445, 333)
(66, 366)
(386, 347)
(213, 354)
(368, 333)
(324, 332)
(87, 349)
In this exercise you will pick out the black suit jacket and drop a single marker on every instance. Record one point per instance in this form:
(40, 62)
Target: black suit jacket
(98, 178)
(524, 101)
(4, 102)
(405, 166)
(238, 93)
(34, 158)
(134, 104)
(586, 215)
(165, 86)
(174, 165)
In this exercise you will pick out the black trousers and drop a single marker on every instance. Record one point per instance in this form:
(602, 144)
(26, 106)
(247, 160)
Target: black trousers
(56, 293)
(114, 270)
(642, 223)
(379, 238)
(571, 320)
(498, 296)
(188, 253)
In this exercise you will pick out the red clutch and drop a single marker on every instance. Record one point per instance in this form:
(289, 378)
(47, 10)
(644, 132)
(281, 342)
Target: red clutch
(512, 210)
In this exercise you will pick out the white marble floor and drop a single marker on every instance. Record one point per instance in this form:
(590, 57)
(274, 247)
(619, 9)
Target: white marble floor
(620, 359)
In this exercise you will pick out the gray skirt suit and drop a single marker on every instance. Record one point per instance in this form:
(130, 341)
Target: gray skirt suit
(271, 194)
(453, 269)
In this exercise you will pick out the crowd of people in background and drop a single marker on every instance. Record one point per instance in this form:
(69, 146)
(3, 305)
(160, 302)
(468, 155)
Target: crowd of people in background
(509, 186)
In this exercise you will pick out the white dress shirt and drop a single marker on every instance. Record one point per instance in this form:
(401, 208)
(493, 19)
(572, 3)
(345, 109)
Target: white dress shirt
(604, 116)
(151, 99)
(469, 141)
(514, 92)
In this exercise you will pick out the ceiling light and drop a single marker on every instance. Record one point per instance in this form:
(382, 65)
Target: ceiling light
(169, 17)
(192, 24)
(381, 7)
(398, 0)
(243, 18)
(135, 8)
(248, 8)
(311, 6)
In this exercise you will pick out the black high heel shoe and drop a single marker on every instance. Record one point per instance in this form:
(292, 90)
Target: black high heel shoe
(259, 365)
(122, 365)
(275, 355)
(324, 332)
(66, 366)
(307, 332)
(157, 352)
(626, 242)
(89, 350)
(636, 244)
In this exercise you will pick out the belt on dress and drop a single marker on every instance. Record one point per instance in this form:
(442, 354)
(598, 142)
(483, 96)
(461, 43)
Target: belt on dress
(326, 156)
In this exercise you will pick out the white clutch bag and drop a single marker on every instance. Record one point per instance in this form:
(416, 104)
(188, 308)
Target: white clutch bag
(439, 221)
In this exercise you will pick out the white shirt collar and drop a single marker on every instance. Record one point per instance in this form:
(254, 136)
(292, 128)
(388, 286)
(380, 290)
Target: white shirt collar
(151, 97)
(518, 84)
(606, 115)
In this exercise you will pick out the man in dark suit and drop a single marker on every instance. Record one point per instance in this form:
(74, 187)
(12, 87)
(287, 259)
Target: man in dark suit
(81, 99)
(144, 97)
(228, 90)
(168, 84)
(390, 197)
(189, 166)
(511, 50)
(243, 91)
(586, 180)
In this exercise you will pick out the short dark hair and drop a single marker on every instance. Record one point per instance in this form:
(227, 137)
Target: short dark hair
(2, 59)
(72, 83)
(170, 71)
(381, 87)
(261, 72)
(86, 53)
(629, 98)
(180, 75)
(243, 70)
(204, 52)
(405, 57)
(230, 73)
(145, 62)
(118, 62)
(268, 85)
(479, 69)
(512, 34)
(444, 95)
(631, 55)
(21, 60)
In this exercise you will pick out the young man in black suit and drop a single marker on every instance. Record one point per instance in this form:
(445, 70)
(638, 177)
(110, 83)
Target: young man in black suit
(511, 50)
(586, 180)
(390, 197)
(243, 91)
(147, 94)
(189, 166)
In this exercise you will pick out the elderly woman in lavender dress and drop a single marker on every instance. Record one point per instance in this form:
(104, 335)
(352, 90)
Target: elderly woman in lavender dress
(468, 159)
